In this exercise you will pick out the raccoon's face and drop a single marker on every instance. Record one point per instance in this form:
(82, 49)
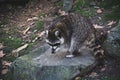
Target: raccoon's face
(54, 39)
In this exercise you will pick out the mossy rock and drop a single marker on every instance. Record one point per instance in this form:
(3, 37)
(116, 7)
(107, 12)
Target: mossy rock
(112, 44)
(40, 64)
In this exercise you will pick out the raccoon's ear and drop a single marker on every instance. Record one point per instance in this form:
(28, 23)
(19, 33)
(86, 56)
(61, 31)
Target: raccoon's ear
(57, 33)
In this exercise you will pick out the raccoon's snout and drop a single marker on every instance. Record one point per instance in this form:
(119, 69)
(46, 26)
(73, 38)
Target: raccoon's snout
(54, 49)
(54, 46)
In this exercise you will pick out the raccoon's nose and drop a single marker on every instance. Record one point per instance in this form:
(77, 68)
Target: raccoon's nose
(53, 50)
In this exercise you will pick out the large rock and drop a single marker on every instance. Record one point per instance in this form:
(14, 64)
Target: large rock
(40, 64)
(112, 44)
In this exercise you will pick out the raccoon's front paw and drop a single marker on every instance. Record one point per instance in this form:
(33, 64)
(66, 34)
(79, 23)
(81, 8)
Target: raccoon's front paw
(69, 55)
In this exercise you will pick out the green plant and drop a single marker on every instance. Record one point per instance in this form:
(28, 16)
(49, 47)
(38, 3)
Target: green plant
(39, 25)
(81, 7)
(114, 7)
(60, 3)
(11, 43)
(41, 15)
(4, 22)
(80, 4)
(33, 36)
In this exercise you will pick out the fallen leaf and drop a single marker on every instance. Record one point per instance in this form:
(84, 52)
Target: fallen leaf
(35, 18)
(78, 78)
(103, 69)
(5, 63)
(62, 12)
(1, 54)
(99, 11)
(111, 23)
(97, 26)
(1, 46)
(93, 74)
(4, 71)
(29, 19)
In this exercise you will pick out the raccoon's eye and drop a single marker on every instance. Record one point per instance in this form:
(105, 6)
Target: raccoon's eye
(57, 34)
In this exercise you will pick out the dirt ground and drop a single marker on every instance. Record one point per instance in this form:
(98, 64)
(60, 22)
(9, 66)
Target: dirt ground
(20, 21)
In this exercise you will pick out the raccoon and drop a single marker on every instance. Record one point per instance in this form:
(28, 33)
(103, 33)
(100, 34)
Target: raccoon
(71, 32)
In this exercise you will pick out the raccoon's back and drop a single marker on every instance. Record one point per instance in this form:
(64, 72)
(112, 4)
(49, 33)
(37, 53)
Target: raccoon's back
(79, 26)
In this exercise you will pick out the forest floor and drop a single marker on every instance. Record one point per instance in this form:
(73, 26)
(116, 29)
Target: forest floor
(23, 24)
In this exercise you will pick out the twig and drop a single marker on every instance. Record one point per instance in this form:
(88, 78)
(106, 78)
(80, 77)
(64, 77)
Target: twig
(15, 52)
(25, 31)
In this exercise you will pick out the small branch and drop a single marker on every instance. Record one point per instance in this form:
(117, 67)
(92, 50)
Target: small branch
(15, 52)
(25, 31)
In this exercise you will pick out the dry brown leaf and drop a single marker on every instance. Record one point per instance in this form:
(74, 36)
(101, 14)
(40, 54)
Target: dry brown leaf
(103, 69)
(93, 74)
(5, 63)
(99, 11)
(111, 23)
(29, 19)
(78, 78)
(35, 18)
(4, 71)
(1, 54)
(62, 12)
(1, 46)
(97, 26)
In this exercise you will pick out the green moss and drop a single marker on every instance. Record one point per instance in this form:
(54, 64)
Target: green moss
(110, 78)
(80, 4)
(89, 13)
(112, 16)
(81, 7)
(41, 15)
(11, 43)
(39, 25)
(114, 7)
(33, 36)
(59, 4)
(4, 22)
